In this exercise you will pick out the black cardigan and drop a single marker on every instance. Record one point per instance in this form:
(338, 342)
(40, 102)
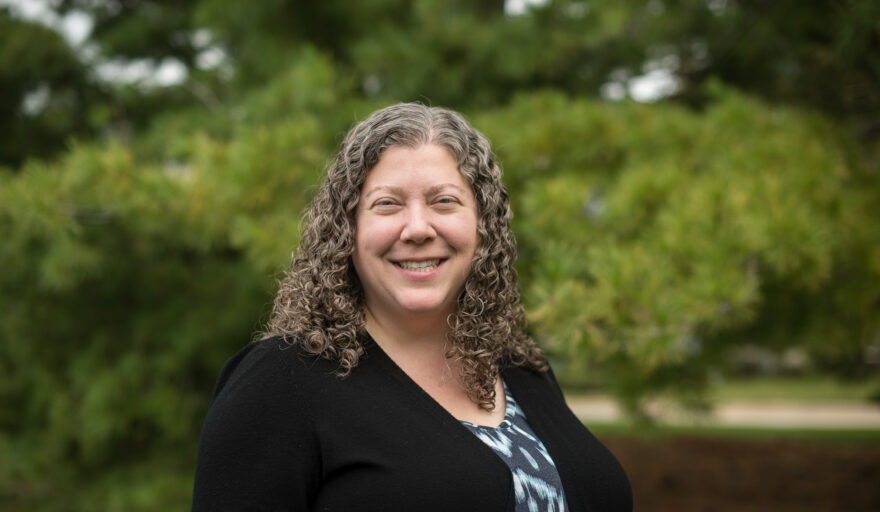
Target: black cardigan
(285, 433)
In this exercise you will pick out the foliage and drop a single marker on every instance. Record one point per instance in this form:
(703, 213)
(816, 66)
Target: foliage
(128, 280)
(44, 91)
(646, 233)
(469, 54)
(653, 238)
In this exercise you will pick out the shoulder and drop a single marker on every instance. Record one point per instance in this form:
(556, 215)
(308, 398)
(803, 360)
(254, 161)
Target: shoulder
(269, 389)
(259, 447)
(271, 365)
(533, 382)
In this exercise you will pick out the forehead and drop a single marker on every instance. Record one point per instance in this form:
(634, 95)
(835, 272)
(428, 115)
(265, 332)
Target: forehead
(427, 165)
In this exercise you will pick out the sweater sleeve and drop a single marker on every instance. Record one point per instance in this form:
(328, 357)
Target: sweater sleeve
(257, 449)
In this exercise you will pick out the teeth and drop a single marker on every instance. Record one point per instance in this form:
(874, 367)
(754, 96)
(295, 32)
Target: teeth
(420, 266)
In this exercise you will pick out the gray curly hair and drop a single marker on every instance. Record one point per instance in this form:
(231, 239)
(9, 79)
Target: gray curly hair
(319, 301)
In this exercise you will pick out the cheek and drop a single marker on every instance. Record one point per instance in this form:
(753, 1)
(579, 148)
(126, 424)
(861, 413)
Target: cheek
(374, 236)
(472, 232)
(462, 234)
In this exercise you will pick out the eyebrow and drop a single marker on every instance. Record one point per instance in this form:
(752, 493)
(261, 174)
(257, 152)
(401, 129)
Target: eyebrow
(397, 190)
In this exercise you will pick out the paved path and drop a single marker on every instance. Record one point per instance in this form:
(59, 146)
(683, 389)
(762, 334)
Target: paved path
(764, 414)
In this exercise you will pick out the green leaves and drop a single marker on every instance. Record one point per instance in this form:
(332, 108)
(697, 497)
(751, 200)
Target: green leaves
(651, 238)
(130, 276)
(647, 232)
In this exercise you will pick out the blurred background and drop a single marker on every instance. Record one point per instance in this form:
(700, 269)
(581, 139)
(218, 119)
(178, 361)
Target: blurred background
(696, 189)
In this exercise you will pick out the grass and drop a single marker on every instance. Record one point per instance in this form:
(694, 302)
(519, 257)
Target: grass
(803, 389)
(796, 389)
(659, 432)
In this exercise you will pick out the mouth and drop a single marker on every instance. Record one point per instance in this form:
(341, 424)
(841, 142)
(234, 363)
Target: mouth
(420, 266)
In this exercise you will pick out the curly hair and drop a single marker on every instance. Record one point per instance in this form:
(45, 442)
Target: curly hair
(320, 299)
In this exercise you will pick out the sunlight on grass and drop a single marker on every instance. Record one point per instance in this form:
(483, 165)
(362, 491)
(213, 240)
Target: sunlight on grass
(621, 429)
(798, 389)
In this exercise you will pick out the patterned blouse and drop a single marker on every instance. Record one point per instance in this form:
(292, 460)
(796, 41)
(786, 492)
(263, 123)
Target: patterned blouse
(536, 482)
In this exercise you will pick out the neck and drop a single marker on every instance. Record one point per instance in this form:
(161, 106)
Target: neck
(422, 334)
(418, 348)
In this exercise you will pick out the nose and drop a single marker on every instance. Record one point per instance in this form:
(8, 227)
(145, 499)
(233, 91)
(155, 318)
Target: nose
(417, 227)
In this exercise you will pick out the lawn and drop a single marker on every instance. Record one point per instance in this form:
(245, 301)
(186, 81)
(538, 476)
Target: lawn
(797, 389)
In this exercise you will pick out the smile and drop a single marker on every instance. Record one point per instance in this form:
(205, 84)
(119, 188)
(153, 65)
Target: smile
(419, 266)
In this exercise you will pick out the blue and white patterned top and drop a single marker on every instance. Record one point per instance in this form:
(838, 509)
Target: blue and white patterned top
(536, 482)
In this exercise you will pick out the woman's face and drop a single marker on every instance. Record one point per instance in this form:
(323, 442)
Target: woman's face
(415, 234)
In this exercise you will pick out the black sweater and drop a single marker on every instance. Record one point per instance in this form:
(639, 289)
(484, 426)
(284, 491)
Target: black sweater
(285, 433)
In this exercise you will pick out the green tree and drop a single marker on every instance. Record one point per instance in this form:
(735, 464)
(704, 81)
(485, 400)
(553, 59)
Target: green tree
(653, 238)
(129, 278)
(472, 55)
(45, 92)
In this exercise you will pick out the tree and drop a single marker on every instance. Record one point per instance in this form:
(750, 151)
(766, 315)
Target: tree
(472, 55)
(653, 239)
(45, 92)
(129, 278)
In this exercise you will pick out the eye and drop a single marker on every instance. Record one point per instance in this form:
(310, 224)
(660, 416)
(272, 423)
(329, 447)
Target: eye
(384, 204)
(446, 200)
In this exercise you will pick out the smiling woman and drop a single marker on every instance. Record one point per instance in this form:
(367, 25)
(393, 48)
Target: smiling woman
(395, 373)
(415, 236)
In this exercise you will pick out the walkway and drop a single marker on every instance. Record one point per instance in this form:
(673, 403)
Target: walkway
(833, 415)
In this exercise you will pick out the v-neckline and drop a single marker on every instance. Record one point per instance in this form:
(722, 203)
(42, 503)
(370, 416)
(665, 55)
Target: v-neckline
(448, 421)
(509, 413)
(431, 402)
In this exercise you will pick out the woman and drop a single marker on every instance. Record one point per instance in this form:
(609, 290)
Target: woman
(396, 374)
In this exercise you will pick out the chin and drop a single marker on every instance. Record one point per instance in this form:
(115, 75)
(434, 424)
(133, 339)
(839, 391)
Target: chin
(424, 306)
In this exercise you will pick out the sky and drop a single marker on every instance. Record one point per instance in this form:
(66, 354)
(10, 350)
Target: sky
(75, 28)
